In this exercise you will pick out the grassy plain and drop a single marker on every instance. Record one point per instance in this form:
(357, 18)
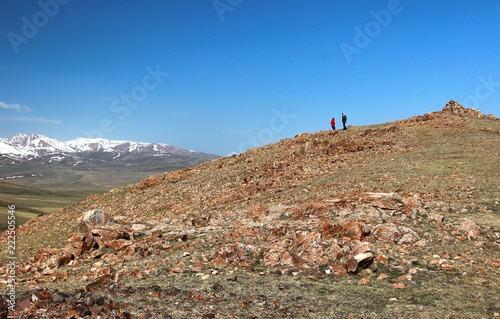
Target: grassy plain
(53, 188)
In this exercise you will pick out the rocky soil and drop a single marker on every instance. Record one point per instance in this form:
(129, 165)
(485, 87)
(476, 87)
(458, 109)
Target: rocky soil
(384, 221)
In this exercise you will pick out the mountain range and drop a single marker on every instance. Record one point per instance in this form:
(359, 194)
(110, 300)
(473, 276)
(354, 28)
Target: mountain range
(26, 152)
(24, 146)
(42, 174)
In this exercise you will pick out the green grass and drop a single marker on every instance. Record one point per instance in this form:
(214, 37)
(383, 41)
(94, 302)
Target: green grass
(31, 202)
(459, 171)
(58, 188)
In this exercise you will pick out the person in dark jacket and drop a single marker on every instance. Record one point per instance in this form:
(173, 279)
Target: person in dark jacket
(332, 122)
(344, 120)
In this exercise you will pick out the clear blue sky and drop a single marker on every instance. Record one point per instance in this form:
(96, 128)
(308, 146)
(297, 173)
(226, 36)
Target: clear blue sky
(222, 76)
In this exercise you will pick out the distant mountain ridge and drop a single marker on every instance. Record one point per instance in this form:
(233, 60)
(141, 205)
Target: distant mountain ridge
(24, 146)
(45, 174)
(111, 162)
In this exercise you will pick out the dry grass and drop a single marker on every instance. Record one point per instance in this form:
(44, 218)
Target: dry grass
(449, 163)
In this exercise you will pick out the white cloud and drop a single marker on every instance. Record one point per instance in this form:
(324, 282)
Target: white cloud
(24, 119)
(18, 107)
(30, 119)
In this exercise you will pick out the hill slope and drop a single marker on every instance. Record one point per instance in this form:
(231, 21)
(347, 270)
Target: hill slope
(41, 174)
(402, 215)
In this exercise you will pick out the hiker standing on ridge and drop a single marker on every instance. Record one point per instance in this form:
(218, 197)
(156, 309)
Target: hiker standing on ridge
(344, 120)
(332, 122)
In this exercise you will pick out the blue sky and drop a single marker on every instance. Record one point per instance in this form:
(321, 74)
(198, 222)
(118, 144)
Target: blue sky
(222, 76)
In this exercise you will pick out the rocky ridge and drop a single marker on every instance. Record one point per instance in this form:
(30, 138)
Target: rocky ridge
(257, 214)
(314, 240)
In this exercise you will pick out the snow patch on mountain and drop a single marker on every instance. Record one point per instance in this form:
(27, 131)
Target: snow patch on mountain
(36, 145)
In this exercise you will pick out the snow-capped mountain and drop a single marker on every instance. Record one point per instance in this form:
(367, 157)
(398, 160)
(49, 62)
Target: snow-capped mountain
(84, 165)
(102, 145)
(30, 147)
(23, 145)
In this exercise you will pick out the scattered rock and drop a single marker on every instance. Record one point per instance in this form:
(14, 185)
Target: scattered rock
(353, 230)
(279, 257)
(138, 227)
(93, 218)
(422, 243)
(408, 239)
(106, 234)
(100, 284)
(455, 108)
(436, 217)
(382, 277)
(399, 285)
(363, 281)
(469, 227)
(216, 226)
(387, 233)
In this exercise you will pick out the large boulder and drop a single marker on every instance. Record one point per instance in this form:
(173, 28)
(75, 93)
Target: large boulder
(99, 228)
(360, 257)
(387, 233)
(93, 218)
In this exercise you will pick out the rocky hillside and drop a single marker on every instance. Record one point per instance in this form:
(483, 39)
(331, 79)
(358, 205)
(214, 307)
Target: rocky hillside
(381, 221)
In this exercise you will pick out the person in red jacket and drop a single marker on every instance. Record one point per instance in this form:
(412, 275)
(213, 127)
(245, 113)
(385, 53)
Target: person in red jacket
(332, 122)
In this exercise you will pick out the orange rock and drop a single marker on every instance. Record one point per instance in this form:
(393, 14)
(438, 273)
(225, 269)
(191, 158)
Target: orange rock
(278, 257)
(381, 259)
(387, 233)
(120, 244)
(407, 277)
(469, 227)
(64, 257)
(382, 277)
(338, 269)
(107, 233)
(75, 237)
(99, 284)
(363, 281)
(352, 230)
(447, 267)
(231, 255)
(399, 285)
